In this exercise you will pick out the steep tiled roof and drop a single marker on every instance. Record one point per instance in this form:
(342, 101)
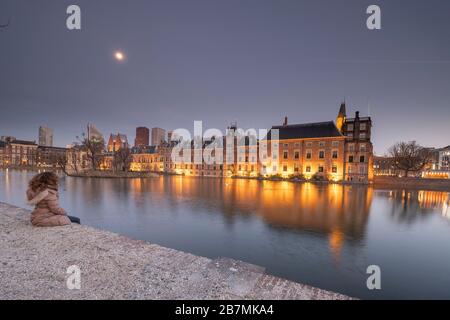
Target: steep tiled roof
(307, 130)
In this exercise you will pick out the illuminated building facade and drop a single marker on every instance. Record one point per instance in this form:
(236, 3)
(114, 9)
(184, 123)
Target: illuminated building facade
(310, 151)
(18, 153)
(116, 142)
(318, 151)
(358, 157)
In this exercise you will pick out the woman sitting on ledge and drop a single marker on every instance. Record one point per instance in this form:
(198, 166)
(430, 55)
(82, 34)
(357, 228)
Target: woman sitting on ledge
(43, 194)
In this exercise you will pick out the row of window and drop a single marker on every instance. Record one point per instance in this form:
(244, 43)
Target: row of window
(362, 147)
(351, 159)
(362, 135)
(362, 127)
(309, 144)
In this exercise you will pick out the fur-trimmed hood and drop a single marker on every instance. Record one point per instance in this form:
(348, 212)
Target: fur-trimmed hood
(33, 198)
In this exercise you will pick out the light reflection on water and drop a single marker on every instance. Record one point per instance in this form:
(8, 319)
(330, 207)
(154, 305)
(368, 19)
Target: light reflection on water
(321, 235)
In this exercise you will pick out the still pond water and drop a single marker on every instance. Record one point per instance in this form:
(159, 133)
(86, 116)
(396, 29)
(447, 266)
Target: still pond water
(321, 235)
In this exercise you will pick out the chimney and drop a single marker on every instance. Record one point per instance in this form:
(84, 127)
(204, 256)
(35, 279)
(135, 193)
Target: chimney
(357, 115)
(285, 121)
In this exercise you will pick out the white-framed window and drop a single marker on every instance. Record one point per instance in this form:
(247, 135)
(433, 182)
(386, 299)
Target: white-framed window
(362, 126)
(362, 147)
(362, 135)
(308, 154)
(351, 147)
(321, 154)
(334, 154)
(350, 127)
(321, 143)
(309, 144)
(335, 143)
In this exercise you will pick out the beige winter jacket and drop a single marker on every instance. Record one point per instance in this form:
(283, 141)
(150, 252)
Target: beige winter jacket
(47, 212)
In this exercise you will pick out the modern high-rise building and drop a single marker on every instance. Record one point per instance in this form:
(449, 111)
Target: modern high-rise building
(45, 136)
(158, 136)
(142, 137)
(93, 133)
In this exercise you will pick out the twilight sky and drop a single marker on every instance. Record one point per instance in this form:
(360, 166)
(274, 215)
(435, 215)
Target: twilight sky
(253, 61)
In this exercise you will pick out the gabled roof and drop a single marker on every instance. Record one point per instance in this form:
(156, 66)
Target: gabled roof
(307, 130)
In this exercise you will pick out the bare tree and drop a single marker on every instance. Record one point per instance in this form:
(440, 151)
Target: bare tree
(409, 156)
(122, 159)
(61, 163)
(94, 149)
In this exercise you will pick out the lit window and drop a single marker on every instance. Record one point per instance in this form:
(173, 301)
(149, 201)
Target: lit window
(320, 169)
(284, 168)
(308, 169)
(334, 169)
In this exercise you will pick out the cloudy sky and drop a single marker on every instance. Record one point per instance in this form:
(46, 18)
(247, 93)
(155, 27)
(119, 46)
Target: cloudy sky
(253, 61)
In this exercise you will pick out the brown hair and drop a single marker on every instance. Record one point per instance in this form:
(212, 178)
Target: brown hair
(44, 180)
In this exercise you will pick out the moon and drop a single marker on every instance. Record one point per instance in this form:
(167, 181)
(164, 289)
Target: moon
(119, 56)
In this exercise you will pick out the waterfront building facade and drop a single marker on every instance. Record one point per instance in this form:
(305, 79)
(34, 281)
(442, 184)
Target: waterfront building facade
(51, 157)
(309, 151)
(358, 147)
(319, 151)
(19, 153)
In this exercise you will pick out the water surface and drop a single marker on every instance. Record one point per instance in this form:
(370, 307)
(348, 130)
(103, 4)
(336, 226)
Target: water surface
(322, 235)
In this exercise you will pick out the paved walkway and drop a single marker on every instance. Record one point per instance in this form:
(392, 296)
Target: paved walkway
(33, 264)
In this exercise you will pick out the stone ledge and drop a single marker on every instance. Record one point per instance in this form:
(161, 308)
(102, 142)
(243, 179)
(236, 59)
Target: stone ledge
(33, 264)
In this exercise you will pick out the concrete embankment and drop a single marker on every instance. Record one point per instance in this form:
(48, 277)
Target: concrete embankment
(34, 262)
(381, 182)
